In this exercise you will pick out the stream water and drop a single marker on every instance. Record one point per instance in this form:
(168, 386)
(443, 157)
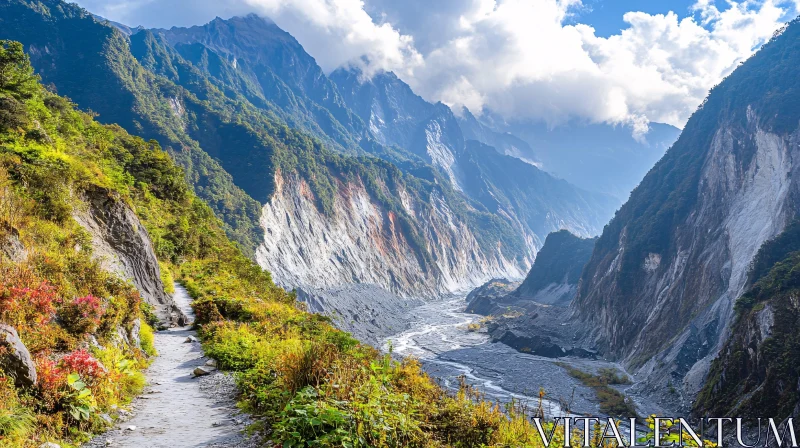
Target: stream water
(439, 337)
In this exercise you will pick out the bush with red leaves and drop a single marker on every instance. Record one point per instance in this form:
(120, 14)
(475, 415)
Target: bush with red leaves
(27, 305)
(52, 382)
(82, 314)
(84, 364)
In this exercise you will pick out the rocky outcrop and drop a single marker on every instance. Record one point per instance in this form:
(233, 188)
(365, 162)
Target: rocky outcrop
(10, 245)
(15, 359)
(491, 296)
(123, 247)
(659, 290)
(553, 279)
(539, 330)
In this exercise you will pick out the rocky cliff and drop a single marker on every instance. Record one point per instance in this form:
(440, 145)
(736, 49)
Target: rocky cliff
(756, 371)
(659, 290)
(361, 241)
(123, 247)
(552, 280)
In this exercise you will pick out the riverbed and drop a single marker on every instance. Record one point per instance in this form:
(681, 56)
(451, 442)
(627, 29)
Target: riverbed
(439, 336)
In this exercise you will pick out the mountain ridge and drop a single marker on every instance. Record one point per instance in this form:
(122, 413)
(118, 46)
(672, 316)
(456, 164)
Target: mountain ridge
(232, 148)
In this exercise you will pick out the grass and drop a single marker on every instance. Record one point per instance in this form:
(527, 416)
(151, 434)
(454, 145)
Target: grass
(612, 401)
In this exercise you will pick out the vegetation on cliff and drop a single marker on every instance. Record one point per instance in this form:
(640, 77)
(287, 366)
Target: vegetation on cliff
(561, 260)
(77, 320)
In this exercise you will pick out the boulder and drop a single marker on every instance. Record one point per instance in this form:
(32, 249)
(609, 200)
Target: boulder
(15, 359)
(11, 246)
(121, 244)
(203, 371)
(133, 334)
(533, 344)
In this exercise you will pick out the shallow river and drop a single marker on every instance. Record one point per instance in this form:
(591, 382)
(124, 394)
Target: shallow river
(448, 350)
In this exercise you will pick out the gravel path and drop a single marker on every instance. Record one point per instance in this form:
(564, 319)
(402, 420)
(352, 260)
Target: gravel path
(176, 410)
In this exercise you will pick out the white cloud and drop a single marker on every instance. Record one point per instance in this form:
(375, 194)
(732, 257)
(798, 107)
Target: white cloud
(336, 32)
(519, 58)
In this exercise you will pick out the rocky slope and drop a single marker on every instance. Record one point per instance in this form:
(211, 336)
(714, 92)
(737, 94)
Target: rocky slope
(553, 279)
(361, 241)
(756, 369)
(659, 290)
(121, 244)
(368, 312)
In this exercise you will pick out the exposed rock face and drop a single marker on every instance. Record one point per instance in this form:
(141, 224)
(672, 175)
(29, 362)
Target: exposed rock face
(553, 279)
(11, 247)
(122, 244)
(756, 371)
(659, 290)
(539, 330)
(15, 359)
(362, 243)
(739, 206)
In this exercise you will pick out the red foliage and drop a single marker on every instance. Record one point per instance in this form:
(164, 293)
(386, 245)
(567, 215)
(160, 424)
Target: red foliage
(28, 305)
(83, 363)
(82, 314)
(52, 381)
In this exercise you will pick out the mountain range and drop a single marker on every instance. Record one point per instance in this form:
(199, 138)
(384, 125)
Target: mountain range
(691, 286)
(338, 179)
(338, 171)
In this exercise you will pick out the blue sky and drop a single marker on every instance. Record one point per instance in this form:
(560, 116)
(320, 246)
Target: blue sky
(606, 15)
(542, 60)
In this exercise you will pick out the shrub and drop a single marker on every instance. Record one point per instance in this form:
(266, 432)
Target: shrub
(51, 383)
(308, 421)
(82, 314)
(23, 306)
(84, 364)
(147, 340)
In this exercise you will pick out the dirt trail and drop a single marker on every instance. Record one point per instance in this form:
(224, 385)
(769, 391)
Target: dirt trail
(176, 410)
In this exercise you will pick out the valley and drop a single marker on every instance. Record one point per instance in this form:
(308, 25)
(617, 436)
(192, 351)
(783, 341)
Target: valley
(440, 337)
(207, 218)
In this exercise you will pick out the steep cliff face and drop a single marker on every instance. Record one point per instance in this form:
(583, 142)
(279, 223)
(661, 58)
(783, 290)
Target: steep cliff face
(553, 279)
(122, 245)
(756, 373)
(363, 242)
(659, 289)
